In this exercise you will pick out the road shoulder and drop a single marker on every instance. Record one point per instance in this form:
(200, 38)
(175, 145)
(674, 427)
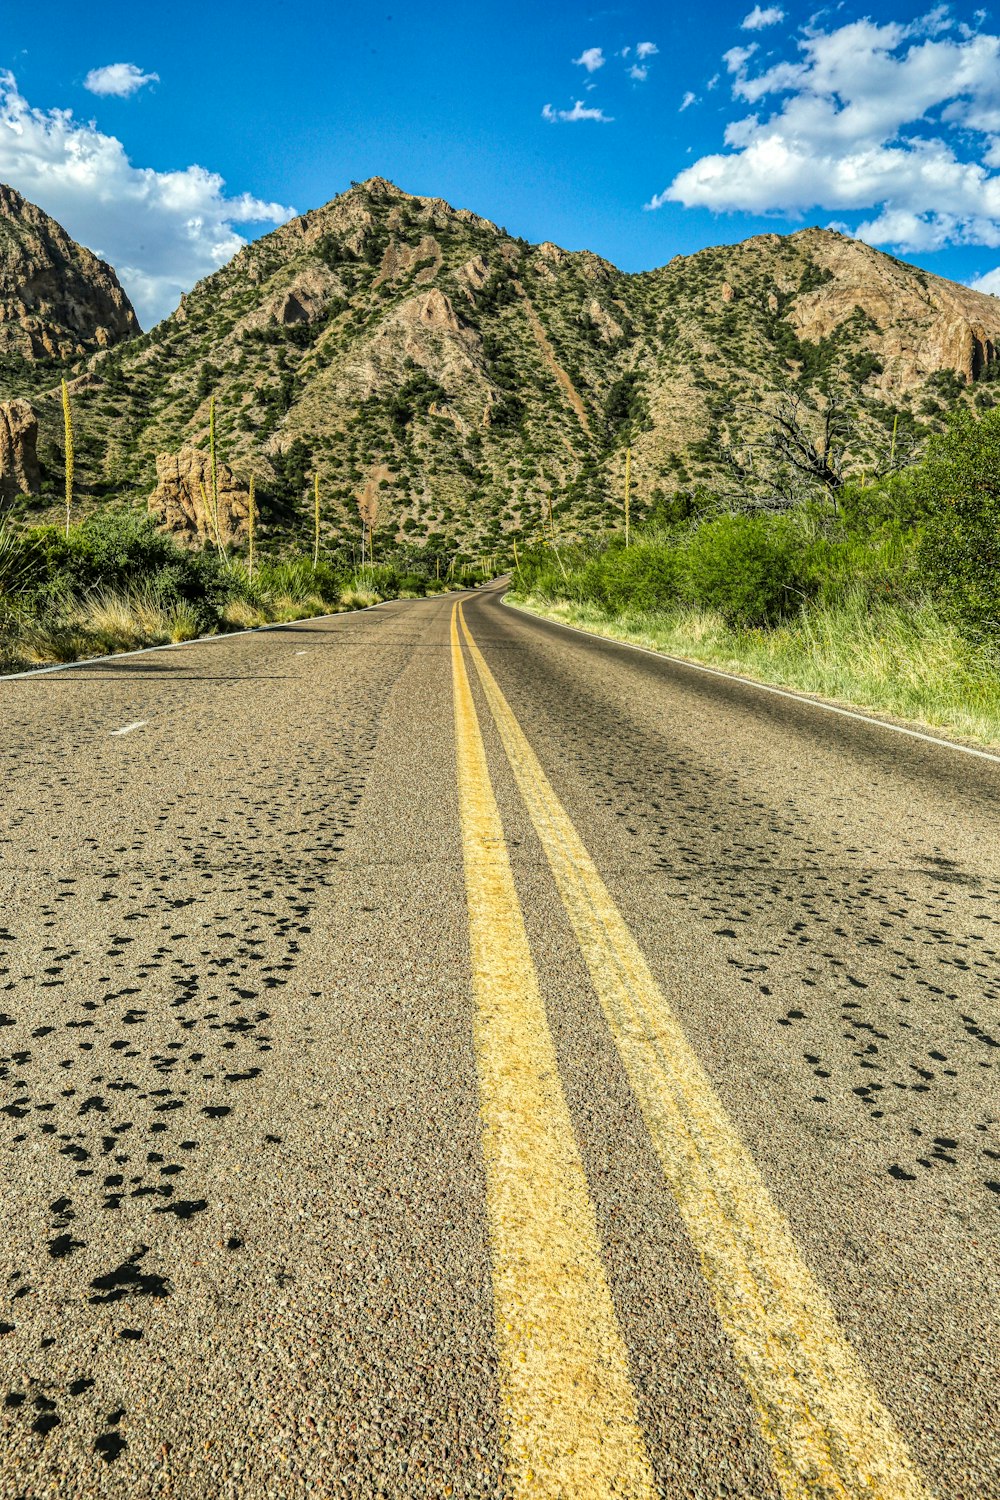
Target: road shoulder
(637, 640)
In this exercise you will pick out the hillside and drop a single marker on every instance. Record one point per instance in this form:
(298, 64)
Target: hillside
(448, 381)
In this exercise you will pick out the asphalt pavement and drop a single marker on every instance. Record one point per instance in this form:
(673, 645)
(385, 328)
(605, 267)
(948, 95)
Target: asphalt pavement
(445, 1054)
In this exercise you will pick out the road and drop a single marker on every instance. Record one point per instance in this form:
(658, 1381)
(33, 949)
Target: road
(443, 1054)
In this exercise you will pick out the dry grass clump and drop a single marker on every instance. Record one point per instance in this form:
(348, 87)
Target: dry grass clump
(286, 609)
(100, 624)
(357, 596)
(40, 642)
(134, 617)
(241, 614)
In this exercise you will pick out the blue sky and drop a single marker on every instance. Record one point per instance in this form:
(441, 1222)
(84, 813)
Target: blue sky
(165, 135)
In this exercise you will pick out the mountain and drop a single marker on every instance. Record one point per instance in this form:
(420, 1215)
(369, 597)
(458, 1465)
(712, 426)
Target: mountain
(450, 382)
(862, 352)
(58, 302)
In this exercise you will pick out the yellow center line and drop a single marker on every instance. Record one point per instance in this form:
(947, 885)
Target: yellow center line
(830, 1435)
(569, 1408)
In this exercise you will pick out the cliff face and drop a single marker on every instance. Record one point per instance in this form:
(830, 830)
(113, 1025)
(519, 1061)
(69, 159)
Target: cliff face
(918, 324)
(453, 380)
(58, 302)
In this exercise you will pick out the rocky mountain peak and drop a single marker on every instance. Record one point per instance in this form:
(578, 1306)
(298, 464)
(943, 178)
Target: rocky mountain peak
(58, 301)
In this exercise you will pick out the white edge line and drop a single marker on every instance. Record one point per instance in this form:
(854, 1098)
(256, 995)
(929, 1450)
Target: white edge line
(763, 687)
(199, 640)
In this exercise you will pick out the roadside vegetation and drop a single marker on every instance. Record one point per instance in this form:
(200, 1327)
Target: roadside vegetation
(114, 582)
(884, 594)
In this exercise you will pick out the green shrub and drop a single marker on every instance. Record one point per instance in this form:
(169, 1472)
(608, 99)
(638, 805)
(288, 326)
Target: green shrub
(958, 486)
(117, 550)
(18, 563)
(296, 579)
(752, 569)
(644, 577)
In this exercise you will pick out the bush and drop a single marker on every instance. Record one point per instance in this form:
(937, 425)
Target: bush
(644, 577)
(296, 579)
(753, 570)
(117, 551)
(958, 485)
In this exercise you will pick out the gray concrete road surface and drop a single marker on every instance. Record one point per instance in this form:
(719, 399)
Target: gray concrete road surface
(441, 1054)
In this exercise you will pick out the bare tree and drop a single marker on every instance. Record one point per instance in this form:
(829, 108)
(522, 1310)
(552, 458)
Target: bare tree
(791, 445)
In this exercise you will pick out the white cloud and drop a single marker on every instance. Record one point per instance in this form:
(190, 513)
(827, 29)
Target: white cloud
(162, 231)
(578, 112)
(687, 101)
(898, 122)
(737, 58)
(118, 79)
(643, 51)
(988, 283)
(591, 58)
(758, 18)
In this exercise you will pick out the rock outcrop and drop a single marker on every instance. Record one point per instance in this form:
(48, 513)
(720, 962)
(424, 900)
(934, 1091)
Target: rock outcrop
(18, 459)
(920, 324)
(433, 311)
(182, 500)
(58, 301)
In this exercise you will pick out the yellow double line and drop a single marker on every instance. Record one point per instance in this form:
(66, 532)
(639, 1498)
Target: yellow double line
(570, 1409)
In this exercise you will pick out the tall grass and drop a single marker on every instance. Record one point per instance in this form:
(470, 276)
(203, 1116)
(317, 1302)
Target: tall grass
(103, 622)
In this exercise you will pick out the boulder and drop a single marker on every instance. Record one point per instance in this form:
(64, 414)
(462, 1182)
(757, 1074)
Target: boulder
(184, 483)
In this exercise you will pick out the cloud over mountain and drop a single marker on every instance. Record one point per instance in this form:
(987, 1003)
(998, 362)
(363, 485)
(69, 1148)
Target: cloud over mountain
(897, 121)
(162, 231)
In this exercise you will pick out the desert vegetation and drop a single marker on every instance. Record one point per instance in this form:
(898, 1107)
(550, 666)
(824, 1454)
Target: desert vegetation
(114, 582)
(884, 594)
(371, 399)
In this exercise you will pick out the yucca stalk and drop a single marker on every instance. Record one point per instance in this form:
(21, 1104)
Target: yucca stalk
(315, 521)
(251, 524)
(212, 510)
(628, 489)
(213, 518)
(68, 429)
(215, 466)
